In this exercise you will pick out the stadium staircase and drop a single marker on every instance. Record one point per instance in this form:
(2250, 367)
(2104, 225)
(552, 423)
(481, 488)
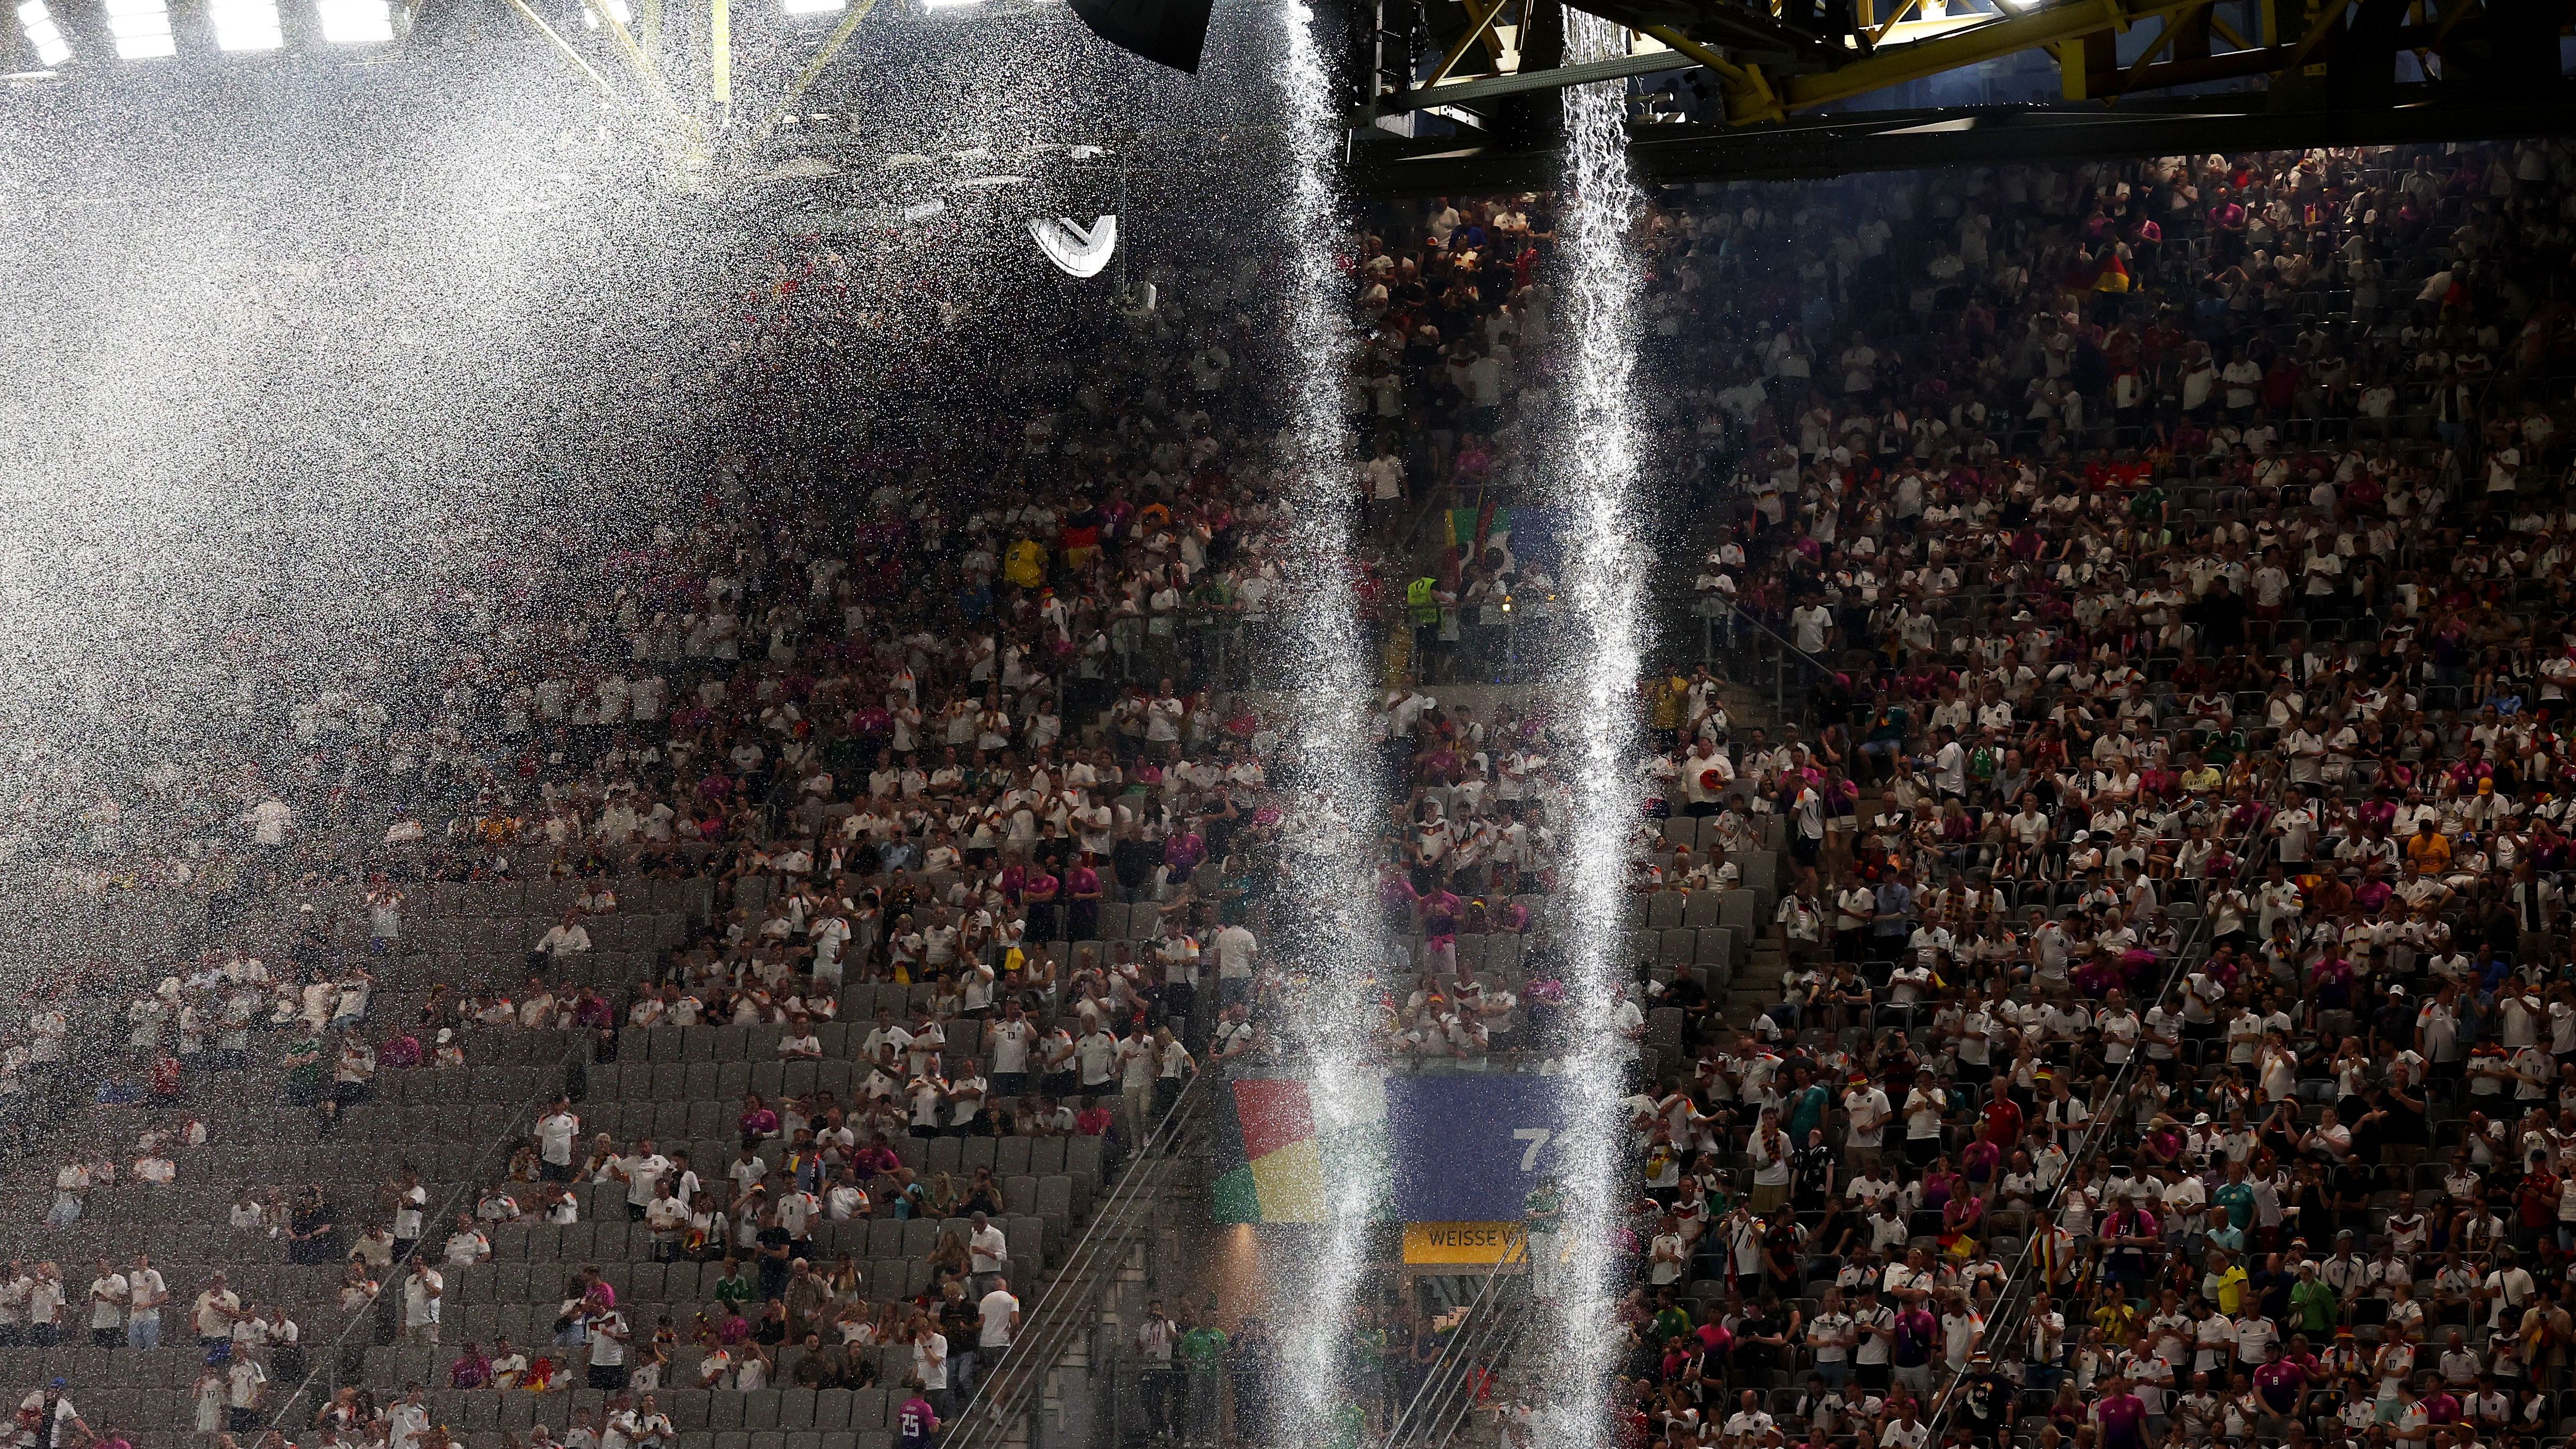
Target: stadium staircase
(1035, 1383)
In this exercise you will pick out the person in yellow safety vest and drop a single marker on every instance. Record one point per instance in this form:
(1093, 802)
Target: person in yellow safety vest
(1418, 601)
(1422, 609)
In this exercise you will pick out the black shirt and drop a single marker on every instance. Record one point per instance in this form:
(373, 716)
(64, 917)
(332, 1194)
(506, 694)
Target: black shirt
(1811, 1168)
(1986, 1397)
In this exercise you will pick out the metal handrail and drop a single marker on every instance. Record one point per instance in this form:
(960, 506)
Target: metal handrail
(1782, 651)
(503, 1144)
(1495, 1343)
(1431, 1420)
(1488, 1294)
(1002, 1397)
(2017, 1286)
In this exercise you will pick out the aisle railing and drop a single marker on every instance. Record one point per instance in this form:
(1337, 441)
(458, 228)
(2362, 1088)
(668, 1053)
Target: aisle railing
(1470, 1359)
(2003, 1324)
(1064, 1312)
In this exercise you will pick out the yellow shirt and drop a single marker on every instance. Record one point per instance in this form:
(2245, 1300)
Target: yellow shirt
(2231, 1290)
(2429, 852)
(1024, 563)
(1669, 699)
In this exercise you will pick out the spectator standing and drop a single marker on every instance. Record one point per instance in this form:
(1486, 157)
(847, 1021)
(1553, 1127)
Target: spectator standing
(1156, 1339)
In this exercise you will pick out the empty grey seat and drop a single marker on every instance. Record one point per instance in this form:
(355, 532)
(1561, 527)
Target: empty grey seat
(1739, 908)
(1027, 1239)
(885, 1239)
(1761, 870)
(1011, 1156)
(1082, 1156)
(1055, 1199)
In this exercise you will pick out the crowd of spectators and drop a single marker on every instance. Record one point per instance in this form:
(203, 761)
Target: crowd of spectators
(2169, 960)
(2165, 1029)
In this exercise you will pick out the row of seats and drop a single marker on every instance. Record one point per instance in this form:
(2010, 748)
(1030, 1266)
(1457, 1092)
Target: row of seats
(620, 932)
(504, 968)
(688, 1284)
(630, 1253)
(547, 900)
(1713, 947)
(1699, 832)
(851, 1417)
(519, 1301)
(1031, 1202)
(1699, 910)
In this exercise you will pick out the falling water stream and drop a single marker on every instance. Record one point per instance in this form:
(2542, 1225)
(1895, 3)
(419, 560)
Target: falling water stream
(1595, 468)
(1333, 946)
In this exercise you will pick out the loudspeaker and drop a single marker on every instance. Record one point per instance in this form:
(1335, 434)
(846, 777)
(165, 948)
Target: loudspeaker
(1166, 32)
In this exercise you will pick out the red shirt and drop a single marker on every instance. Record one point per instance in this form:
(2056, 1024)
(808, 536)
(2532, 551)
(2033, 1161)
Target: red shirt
(2003, 1122)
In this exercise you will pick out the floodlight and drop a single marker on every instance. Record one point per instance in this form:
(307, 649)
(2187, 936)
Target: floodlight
(245, 24)
(42, 33)
(615, 9)
(814, 7)
(950, 4)
(355, 22)
(1076, 250)
(141, 29)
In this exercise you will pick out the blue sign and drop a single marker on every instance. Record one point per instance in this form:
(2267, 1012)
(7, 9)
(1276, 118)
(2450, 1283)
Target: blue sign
(1468, 1149)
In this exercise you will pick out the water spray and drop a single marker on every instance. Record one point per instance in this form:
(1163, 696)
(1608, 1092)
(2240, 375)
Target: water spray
(1329, 942)
(1596, 469)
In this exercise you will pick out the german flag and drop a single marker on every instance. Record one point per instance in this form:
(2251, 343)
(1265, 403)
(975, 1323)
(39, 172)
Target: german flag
(1273, 1168)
